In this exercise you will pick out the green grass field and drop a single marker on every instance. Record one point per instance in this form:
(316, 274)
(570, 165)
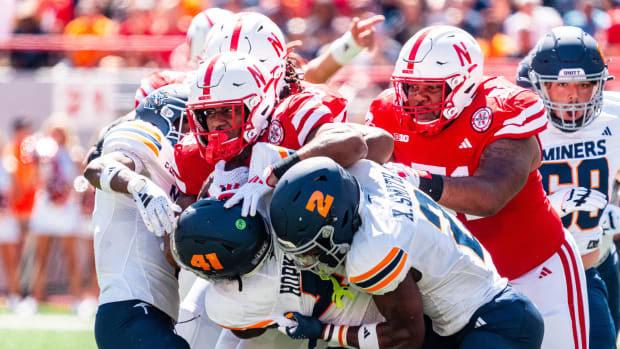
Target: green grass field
(29, 339)
(54, 327)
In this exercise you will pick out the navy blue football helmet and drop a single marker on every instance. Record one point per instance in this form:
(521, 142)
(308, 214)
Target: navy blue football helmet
(165, 108)
(315, 212)
(568, 54)
(216, 243)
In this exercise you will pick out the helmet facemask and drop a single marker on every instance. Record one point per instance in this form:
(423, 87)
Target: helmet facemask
(321, 255)
(571, 117)
(225, 144)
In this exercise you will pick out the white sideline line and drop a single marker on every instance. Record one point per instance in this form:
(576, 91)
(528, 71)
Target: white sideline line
(45, 322)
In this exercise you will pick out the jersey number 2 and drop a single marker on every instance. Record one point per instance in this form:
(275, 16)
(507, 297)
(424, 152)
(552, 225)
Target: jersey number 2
(432, 212)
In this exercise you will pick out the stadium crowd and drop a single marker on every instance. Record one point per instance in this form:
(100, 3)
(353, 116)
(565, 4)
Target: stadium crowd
(504, 28)
(238, 205)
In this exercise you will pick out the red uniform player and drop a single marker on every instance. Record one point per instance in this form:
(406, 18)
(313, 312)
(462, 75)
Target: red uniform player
(477, 139)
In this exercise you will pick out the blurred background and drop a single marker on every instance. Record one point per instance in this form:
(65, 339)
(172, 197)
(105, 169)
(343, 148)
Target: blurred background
(68, 67)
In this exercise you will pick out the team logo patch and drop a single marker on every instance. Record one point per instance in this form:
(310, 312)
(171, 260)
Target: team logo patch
(481, 120)
(276, 133)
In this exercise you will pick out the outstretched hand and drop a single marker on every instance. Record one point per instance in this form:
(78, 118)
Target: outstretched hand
(363, 30)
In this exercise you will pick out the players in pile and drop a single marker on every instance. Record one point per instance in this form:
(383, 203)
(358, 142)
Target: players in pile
(475, 139)
(253, 283)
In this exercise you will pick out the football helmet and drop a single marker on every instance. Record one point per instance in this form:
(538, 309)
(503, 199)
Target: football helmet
(216, 243)
(199, 28)
(254, 34)
(166, 109)
(445, 57)
(568, 54)
(315, 212)
(230, 80)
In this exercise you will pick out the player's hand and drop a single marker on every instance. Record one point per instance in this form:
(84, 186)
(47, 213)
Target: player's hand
(407, 173)
(610, 220)
(363, 30)
(306, 327)
(155, 207)
(573, 199)
(251, 192)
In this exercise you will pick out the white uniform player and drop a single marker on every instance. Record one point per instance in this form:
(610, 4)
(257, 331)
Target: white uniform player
(397, 233)
(590, 158)
(139, 300)
(458, 277)
(127, 255)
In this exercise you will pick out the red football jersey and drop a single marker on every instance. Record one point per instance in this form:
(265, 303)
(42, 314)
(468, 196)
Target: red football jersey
(156, 80)
(190, 169)
(294, 118)
(527, 230)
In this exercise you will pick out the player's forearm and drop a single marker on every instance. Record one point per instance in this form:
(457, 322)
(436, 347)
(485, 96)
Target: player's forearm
(474, 195)
(385, 335)
(379, 142)
(120, 177)
(342, 144)
(320, 69)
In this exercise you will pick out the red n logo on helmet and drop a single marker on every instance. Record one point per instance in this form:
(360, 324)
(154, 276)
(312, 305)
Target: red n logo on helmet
(257, 75)
(324, 203)
(275, 42)
(462, 52)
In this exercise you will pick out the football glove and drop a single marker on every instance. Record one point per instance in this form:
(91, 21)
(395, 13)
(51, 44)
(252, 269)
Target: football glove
(306, 327)
(569, 200)
(407, 173)
(154, 205)
(610, 220)
(251, 192)
(263, 156)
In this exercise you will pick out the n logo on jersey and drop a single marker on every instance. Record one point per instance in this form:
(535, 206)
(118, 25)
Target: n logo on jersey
(321, 202)
(211, 261)
(606, 132)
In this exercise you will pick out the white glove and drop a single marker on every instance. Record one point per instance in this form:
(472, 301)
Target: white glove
(406, 172)
(222, 184)
(610, 220)
(155, 207)
(573, 199)
(251, 192)
(263, 155)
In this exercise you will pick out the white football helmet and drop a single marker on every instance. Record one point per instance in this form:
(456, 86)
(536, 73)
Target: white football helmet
(225, 81)
(254, 34)
(441, 55)
(200, 27)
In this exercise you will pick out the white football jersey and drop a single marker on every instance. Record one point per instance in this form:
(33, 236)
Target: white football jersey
(590, 158)
(279, 287)
(402, 228)
(129, 262)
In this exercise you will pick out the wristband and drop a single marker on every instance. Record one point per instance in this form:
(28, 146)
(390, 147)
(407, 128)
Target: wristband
(367, 336)
(283, 165)
(344, 49)
(108, 172)
(431, 184)
(335, 335)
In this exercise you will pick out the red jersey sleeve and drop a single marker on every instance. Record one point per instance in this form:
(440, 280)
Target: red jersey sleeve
(295, 117)
(529, 119)
(333, 100)
(190, 169)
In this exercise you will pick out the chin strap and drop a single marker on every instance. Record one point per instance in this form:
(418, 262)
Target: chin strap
(339, 291)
